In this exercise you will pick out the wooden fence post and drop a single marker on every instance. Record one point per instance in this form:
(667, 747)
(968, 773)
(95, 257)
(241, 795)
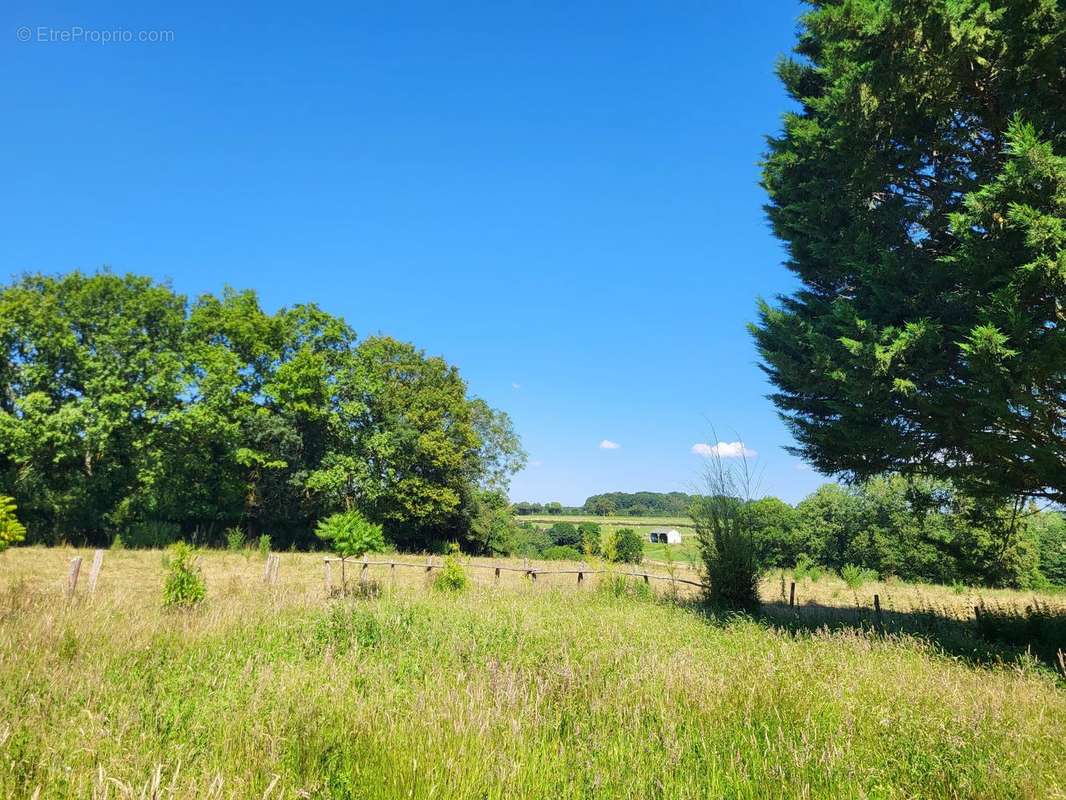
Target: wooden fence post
(275, 568)
(792, 595)
(266, 567)
(72, 576)
(533, 575)
(646, 579)
(581, 572)
(94, 573)
(392, 571)
(496, 579)
(877, 612)
(363, 574)
(329, 574)
(429, 564)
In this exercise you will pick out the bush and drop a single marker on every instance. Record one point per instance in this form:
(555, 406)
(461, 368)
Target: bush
(621, 586)
(806, 568)
(559, 553)
(234, 539)
(451, 577)
(351, 535)
(564, 534)
(591, 538)
(725, 528)
(184, 586)
(628, 547)
(11, 530)
(264, 545)
(855, 576)
(531, 541)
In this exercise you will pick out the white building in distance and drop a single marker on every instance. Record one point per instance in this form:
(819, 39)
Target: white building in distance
(664, 536)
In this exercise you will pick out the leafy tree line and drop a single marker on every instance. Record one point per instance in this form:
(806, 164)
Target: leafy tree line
(640, 504)
(917, 530)
(566, 541)
(630, 504)
(126, 408)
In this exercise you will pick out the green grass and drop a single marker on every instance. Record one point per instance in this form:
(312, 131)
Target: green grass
(516, 691)
(684, 554)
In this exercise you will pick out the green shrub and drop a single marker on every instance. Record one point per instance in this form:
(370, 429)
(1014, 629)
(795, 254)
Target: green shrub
(451, 577)
(184, 585)
(234, 539)
(531, 541)
(622, 586)
(725, 532)
(628, 547)
(855, 576)
(591, 538)
(264, 545)
(564, 534)
(561, 553)
(11, 530)
(117, 543)
(806, 568)
(351, 535)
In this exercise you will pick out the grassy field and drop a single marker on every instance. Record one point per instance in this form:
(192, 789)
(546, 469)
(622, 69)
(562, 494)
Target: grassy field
(516, 690)
(685, 554)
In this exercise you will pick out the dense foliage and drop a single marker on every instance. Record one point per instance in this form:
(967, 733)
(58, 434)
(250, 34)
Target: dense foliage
(639, 504)
(125, 408)
(920, 189)
(627, 546)
(350, 534)
(917, 530)
(11, 530)
(624, 504)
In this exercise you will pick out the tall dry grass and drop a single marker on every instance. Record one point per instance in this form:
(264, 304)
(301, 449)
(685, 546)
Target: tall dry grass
(516, 690)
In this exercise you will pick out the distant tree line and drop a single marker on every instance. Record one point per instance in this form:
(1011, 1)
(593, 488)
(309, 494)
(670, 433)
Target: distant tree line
(914, 529)
(126, 408)
(626, 504)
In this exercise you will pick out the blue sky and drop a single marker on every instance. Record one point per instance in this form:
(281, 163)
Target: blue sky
(561, 198)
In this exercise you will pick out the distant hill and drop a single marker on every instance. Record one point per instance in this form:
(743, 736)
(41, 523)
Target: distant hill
(640, 504)
(624, 504)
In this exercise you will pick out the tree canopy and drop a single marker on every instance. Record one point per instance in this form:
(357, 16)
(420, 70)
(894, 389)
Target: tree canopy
(920, 190)
(123, 405)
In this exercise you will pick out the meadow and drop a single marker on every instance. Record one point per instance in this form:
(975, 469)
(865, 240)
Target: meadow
(684, 555)
(518, 689)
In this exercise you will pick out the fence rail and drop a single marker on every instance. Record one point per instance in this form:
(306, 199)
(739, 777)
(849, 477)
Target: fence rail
(530, 571)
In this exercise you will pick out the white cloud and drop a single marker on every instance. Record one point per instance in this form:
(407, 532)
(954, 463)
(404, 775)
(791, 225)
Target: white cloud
(516, 386)
(607, 444)
(723, 450)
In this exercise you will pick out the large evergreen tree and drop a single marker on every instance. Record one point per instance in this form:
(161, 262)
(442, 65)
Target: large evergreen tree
(920, 189)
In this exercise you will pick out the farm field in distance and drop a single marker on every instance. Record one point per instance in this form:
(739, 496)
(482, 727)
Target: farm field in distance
(545, 689)
(685, 554)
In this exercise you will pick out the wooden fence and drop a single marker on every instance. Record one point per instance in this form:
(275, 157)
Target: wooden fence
(530, 572)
